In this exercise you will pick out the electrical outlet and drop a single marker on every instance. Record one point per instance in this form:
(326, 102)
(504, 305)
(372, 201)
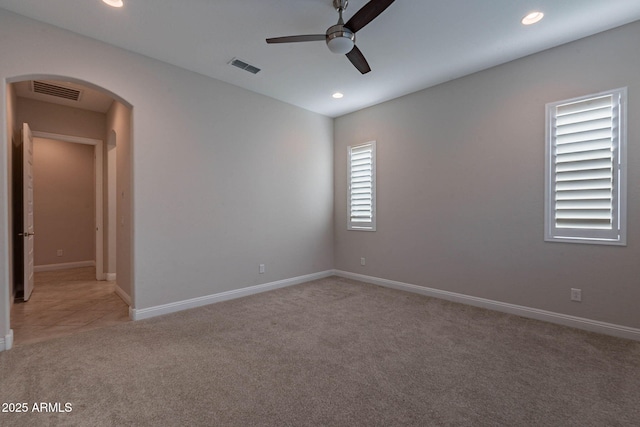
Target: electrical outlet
(59, 252)
(576, 294)
(363, 261)
(261, 268)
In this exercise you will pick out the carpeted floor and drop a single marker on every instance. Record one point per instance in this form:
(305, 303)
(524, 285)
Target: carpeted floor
(328, 352)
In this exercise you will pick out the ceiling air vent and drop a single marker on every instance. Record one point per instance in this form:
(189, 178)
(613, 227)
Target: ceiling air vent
(244, 66)
(46, 88)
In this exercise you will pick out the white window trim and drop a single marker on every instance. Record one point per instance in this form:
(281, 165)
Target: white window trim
(369, 225)
(570, 235)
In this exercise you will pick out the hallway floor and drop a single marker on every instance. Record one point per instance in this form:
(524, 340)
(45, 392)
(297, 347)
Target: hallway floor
(65, 302)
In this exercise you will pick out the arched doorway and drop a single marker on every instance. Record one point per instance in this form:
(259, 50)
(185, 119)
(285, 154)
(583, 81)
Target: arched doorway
(113, 215)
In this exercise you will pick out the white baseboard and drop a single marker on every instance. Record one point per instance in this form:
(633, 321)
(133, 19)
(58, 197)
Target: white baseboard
(111, 277)
(519, 310)
(122, 294)
(145, 313)
(63, 266)
(6, 342)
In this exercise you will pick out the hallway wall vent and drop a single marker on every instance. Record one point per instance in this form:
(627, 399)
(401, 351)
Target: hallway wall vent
(244, 66)
(47, 88)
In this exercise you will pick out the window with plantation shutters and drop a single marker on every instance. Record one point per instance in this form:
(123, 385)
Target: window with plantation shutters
(362, 187)
(586, 169)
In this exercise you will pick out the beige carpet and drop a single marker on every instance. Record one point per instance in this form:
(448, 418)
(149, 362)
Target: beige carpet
(329, 352)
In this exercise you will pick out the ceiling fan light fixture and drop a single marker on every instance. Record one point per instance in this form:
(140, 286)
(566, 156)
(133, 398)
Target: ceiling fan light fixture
(341, 45)
(340, 40)
(532, 18)
(114, 3)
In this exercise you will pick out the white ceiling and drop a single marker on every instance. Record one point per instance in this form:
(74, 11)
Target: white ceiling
(414, 44)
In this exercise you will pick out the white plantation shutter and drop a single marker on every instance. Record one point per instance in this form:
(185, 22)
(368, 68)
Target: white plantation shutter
(585, 169)
(362, 187)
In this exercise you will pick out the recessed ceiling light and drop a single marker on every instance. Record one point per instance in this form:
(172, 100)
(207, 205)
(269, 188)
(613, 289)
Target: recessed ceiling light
(337, 95)
(532, 18)
(114, 3)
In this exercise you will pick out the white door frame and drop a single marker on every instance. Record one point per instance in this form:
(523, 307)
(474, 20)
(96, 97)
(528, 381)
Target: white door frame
(98, 162)
(110, 270)
(27, 231)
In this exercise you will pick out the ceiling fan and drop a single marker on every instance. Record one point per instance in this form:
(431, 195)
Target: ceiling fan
(341, 38)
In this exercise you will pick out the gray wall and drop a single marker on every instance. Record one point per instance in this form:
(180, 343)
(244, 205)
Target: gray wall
(60, 119)
(64, 202)
(460, 185)
(119, 121)
(6, 191)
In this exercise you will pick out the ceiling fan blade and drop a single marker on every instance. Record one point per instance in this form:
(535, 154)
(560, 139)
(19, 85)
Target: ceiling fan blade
(294, 39)
(357, 59)
(368, 13)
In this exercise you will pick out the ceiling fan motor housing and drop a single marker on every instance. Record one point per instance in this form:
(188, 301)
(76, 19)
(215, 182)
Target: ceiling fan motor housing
(340, 39)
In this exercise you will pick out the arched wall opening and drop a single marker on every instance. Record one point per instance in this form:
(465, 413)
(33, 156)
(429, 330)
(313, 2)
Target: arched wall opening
(117, 215)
